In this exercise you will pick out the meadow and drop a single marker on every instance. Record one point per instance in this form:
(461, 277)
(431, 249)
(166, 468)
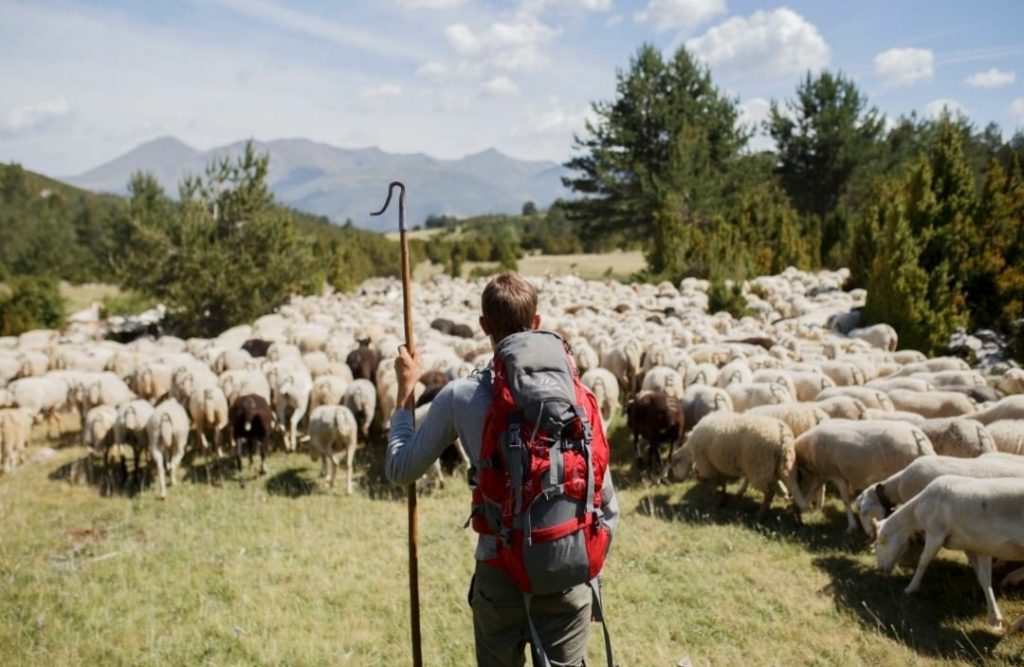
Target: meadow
(284, 572)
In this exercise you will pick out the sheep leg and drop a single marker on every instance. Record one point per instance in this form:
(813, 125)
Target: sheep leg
(179, 453)
(238, 460)
(932, 544)
(1013, 578)
(743, 487)
(158, 458)
(351, 460)
(636, 448)
(264, 450)
(844, 493)
(983, 570)
(768, 497)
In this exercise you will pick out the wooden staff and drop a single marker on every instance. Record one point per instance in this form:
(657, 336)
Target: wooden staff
(414, 557)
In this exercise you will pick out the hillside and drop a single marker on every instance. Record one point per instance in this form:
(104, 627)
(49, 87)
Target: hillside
(343, 183)
(53, 228)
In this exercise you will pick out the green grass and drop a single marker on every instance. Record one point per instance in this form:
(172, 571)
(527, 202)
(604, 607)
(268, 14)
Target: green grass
(285, 573)
(80, 297)
(595, 266)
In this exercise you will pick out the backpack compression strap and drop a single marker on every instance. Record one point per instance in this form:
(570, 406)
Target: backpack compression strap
(598, 608)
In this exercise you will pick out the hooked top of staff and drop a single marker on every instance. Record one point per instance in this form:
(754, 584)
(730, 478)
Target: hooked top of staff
(401, 203)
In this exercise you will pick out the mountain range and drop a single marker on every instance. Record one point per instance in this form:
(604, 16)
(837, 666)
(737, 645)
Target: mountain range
(348, 183)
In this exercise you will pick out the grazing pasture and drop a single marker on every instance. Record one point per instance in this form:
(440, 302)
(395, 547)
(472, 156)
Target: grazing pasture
(285, 573)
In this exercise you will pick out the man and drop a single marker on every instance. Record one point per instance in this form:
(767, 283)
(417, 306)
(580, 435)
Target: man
(562, 620)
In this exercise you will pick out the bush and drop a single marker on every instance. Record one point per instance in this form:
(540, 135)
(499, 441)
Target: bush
(126, 303)
(31, 303)
(727, 297)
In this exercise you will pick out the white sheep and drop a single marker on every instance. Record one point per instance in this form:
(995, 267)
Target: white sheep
(332, 428)
(871, 398)
(953, 436)
(745, 396)
(980, 517)
(1008, 435)
(727, 446)
(881, 336)
(842, 407)
(931, 365)
(15, 433)
(327, 390)
(932, 404)
(893, 415)
(700, 400)
(853, 455)
(890, 383)
(1011, 407)
(361, 399)
(878, 501)
(292, 399)
(605, 387)
(131, 427)
(153, 381)
(167, 432)
(98, 434)
(799, 417)
(43, 397)
(809, 383)
(1011, 382)
(664, 379)
(208, 409)
(235, 383)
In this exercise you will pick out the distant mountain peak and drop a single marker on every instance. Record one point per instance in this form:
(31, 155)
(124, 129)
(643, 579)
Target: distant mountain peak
(343, 183)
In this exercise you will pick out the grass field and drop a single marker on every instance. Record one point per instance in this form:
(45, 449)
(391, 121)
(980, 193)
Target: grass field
(82, 296)
(285, 573)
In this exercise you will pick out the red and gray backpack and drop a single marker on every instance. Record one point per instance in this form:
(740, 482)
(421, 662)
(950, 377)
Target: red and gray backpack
(542, 465)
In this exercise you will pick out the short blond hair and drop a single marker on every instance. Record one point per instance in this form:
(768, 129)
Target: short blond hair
(509, 304)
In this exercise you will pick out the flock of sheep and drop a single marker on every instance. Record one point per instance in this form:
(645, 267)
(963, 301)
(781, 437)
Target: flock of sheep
(790, 398)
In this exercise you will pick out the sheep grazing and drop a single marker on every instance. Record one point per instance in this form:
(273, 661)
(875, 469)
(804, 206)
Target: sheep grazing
(657, 418)
(130, 428)
(167, 431)
(363, 361)
(605, 387)
(726, 446)
(1008, 435)
(331, 428)
(701, 400)
(881, 336)
(292, 397)
(978, 516)
(952, 436)
(1011, 407)
(107, 389)
(98, 434)
(809, 384)
(871, 398)
(252, 422)
(799, 417)
(746, 396)
(853, 455)
(361, 399)
(15, 432)
(1012, 382)
(878, 501)
(842, 407)
(208, 408)
(932, 404)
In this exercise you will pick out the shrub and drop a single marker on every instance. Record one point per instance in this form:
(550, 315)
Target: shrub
(125, 303)
(727, 296)
(31, 302)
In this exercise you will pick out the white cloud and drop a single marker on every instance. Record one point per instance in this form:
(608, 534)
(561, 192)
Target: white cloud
(665, 15)
(501, 86)
(462, 39)
(936, 108)
(30, 117)
(613, 20)
(993, 78)
(510, 45)
(380, 92)
(432, 70)
(431, 4)
(310, 25)
(533, 7)
(904, 67)
(779, 42)
(754, 111)
(1017, 107)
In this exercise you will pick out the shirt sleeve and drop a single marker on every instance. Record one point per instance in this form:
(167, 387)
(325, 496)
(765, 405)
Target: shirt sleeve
(412, 452)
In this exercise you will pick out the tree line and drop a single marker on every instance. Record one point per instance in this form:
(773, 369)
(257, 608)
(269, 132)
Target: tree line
(927, 213)
(220, 254)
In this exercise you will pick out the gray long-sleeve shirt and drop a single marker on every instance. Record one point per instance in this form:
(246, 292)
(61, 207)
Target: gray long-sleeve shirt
(459, 410)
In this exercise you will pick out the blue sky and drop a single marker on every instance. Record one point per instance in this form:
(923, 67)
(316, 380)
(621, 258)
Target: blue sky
(83, 82)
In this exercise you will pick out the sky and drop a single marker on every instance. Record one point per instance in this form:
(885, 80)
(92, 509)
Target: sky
(83, 82)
